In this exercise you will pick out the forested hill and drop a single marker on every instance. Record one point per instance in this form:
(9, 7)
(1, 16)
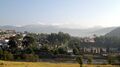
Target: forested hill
(114, 33)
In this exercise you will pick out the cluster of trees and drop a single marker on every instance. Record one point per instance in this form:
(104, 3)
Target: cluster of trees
(34, 46)
(106, 41)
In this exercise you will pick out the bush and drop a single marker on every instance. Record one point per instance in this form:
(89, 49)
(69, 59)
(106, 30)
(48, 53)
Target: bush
(28, 51)
(89, 59)
(110, 59)
(62, 51)
(1, 54)
(118, 57)
(8, 56)
(30, 57)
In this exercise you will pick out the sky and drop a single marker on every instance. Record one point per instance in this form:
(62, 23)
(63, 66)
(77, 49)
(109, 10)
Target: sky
(64, 13)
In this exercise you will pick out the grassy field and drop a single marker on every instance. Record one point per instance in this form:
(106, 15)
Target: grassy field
(46, 64)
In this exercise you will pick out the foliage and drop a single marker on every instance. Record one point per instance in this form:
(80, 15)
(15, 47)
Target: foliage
(105, 41)
(54, 44)
(12, 43)
(118, 57)
(29, 41)
(30, 57)
(110, 59)
(89, 59)
(75, 51)
(1, 54)
(28, 51)
(79, 60)
(44, 48)
(74, 42)
(8, 56)
(62, 50)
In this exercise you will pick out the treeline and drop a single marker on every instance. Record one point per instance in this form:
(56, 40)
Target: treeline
(33, 46)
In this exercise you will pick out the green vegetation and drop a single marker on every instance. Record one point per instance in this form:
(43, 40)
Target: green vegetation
(5, 55)
(89, 59)
(79, 60)
(33, 47)
(110, 59)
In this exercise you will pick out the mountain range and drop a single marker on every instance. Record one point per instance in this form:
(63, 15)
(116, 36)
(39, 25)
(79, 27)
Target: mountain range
(54, 29)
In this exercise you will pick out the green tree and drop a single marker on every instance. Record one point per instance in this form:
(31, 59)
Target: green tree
(62, 50)
(13, 44)
(89, 59)
(74, 42)
(79, 60)
(44, 48)
(29, 41)
(58, 39)
(75, 51)
(8, 56)
(28, 51)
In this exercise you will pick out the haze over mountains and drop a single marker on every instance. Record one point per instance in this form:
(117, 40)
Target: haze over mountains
(114, 33)
(54, 29)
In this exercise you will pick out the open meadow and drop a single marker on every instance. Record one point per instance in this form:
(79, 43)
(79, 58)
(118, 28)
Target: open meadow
(46, 64)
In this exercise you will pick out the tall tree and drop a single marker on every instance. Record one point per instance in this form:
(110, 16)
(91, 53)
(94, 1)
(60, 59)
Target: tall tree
(29, 41)
(79, 60)
(13, 44)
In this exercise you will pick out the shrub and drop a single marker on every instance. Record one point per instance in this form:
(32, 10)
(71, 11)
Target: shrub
(8, 56)
(89, 59)
(118, 57)
(62, 51)
(1, 54)
(110, 59)
(30, 57)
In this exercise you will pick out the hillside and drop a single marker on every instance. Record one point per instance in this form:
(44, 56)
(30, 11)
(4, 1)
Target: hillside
(114, 33)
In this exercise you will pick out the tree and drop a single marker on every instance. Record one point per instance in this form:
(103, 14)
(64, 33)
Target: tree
(7, 55)
(29, 41)
(44, 48)
(62, 50)
(59, 39)
(63, 37)
(89, 59)
(53, 40)
(74, 42)
(79, 60)
(75, 51)
(28, 51)
(13, 44)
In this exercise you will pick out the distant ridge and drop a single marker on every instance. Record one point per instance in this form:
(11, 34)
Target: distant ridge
(54, 29)
(114, 33)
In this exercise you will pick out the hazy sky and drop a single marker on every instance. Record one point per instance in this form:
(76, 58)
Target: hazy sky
(65, 13)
